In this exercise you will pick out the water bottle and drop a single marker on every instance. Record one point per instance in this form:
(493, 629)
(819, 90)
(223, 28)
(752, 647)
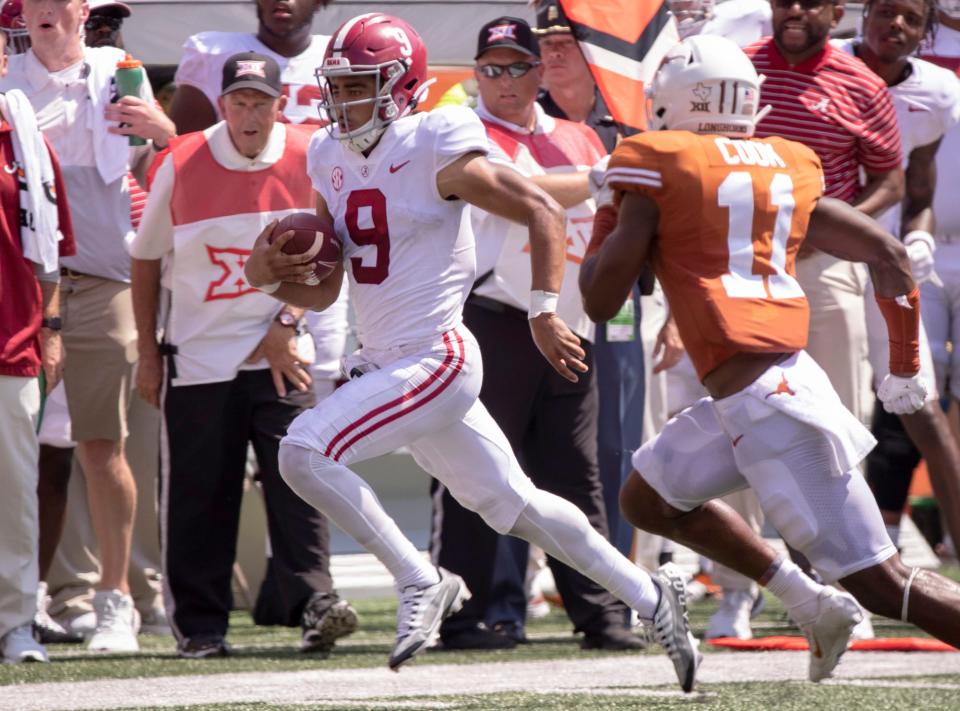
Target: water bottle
(130, 77)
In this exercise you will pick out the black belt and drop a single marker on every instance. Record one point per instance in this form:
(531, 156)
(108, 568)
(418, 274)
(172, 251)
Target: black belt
(496, 306)
(72, 273)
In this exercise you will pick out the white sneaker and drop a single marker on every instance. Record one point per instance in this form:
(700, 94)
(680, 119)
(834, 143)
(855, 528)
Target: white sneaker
(117, 623)
(829, 631)
(420, 613)
(864, 628)
(19, 646)
(154, 621)
(45, 628)
(732, 618)
(84, 624)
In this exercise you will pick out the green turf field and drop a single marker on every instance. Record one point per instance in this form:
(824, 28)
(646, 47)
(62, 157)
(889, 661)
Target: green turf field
(260, 650)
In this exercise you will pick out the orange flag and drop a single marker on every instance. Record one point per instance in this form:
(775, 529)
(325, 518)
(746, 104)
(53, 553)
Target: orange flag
(623, 41)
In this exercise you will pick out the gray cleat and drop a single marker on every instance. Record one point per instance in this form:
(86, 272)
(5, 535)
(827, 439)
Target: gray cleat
(420, 613)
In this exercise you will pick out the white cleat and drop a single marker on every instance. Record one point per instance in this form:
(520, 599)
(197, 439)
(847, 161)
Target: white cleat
(864, 628)
(117, 623)
(829, 632)
(20, 646)
(732, 618)
(671, 626)
(420, 613)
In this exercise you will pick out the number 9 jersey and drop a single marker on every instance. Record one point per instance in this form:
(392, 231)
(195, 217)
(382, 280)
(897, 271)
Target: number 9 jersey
(733, 213)
(408, 252)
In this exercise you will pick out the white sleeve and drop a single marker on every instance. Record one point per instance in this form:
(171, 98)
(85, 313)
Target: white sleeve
(154, 238)
(196, 67)
(457, 131)
(951, 109)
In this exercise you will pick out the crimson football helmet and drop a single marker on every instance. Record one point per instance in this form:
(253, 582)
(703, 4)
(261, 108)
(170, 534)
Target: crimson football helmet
(386, 48)
(13, 26)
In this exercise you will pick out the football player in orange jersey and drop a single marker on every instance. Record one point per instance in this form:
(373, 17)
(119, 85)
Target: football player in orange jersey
(721, 215)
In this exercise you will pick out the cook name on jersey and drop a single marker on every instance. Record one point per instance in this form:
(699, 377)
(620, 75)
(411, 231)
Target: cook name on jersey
(733, 213)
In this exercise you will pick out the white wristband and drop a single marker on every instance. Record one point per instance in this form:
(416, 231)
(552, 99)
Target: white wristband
(920, 236)
(542, 302)
(269, 288)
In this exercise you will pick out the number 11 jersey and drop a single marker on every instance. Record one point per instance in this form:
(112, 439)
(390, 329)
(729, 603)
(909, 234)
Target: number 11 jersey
(408, 252)
(733, 213)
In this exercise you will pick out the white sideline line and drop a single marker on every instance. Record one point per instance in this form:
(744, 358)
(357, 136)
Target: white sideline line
(606, 675)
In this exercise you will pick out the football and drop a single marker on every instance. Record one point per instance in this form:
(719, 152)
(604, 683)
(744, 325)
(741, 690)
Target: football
(313, 236)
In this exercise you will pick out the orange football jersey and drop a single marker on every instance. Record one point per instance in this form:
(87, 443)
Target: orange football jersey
(733, 213)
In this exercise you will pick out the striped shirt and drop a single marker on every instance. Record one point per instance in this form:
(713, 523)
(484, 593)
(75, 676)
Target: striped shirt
(833, 104)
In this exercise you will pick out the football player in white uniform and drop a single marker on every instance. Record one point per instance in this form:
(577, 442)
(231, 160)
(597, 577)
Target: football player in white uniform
(397, 187)
(742, 21)
(283, 33)
(927, 101)
(941, 310)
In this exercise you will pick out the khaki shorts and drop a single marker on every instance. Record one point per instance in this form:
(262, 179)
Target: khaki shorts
(100, 341)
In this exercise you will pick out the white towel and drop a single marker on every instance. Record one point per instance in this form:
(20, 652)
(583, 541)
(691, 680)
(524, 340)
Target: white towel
(110, 151)
(40, 232)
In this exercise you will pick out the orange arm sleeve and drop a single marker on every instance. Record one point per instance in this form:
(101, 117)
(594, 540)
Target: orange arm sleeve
(903, 328)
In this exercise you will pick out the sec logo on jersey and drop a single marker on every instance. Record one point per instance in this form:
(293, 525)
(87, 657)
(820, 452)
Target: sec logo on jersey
(336, 178)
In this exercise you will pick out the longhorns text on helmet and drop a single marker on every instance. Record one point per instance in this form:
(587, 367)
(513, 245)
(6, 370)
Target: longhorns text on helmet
(706, 84)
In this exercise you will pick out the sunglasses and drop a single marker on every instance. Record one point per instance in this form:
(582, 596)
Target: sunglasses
(96, 22)
(515, 70)
(806, 5)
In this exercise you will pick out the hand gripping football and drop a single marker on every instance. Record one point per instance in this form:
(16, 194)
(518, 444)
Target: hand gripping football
(315, 239)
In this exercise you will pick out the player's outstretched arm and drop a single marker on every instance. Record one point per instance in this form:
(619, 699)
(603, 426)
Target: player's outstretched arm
(846, 233)
(506, 193)
(615, 258)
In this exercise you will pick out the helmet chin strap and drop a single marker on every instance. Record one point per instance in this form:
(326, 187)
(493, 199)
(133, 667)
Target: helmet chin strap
(361, 143)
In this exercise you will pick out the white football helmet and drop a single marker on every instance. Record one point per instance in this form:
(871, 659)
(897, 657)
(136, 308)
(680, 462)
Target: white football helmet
(691, 15)
(951, 8)
(706, 84)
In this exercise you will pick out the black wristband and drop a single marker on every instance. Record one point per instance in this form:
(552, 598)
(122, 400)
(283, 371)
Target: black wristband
(54, 323)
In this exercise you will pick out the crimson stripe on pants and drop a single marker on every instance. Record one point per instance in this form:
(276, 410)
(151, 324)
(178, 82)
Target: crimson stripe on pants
(404, 399)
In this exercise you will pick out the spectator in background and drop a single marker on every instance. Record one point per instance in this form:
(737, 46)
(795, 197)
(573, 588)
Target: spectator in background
(71, 89)
(570, 93)
(927, 101)
(941, 305)
(68, 562)
(831, 102)
(231, 358)
(550, 422)
(284, 33)
(35, 231)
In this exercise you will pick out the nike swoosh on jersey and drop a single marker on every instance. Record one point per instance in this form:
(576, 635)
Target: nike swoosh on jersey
(395, 168)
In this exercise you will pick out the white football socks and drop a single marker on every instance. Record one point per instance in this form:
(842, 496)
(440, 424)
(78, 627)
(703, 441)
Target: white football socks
(351, 504)
(564, 532)
(797, 591)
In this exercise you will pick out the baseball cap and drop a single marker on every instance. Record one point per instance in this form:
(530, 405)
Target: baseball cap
(511, 32)
(551, 20)
(249, 70)
(102, 4)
